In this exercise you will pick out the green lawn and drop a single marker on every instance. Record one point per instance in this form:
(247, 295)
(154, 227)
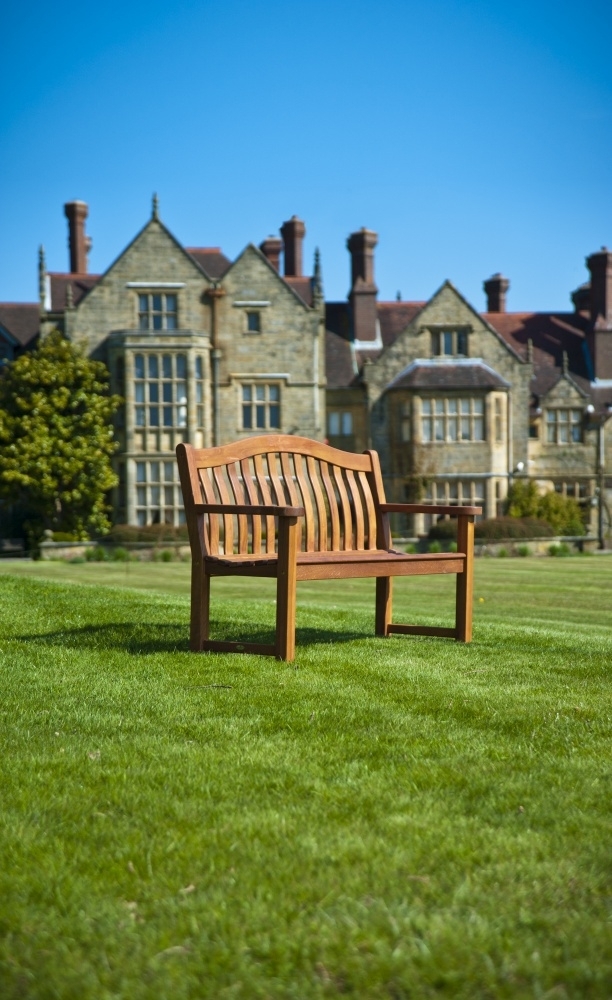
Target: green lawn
(401, 818)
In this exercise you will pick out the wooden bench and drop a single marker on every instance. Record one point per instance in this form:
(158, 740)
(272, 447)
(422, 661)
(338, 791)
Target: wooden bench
(294, 509)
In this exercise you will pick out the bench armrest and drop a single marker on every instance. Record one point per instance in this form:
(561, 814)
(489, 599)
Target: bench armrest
(242, 508)
(428, 508)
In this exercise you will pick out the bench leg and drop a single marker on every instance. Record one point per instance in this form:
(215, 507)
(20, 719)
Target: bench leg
(286, 586)
(384, 604)
(465, 581)
(200, 607)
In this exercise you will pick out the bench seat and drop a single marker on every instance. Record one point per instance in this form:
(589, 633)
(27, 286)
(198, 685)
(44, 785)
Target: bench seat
(338, 565)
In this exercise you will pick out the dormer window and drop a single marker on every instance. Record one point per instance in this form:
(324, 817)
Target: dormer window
(449, 343)
(157, 311)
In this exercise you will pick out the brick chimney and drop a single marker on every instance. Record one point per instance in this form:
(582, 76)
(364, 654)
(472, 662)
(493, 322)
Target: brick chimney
(272, 248)
(362, 295)
(293, 233)
(600, 266)
(76, 212)
(495, 290)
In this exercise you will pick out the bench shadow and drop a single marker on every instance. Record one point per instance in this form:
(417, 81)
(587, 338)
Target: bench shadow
(154, 637)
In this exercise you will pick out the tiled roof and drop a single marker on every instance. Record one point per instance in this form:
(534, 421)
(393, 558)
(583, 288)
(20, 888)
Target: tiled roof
(551, 334)
(301, 286)
(395, 317)
(81, 284)
(434, 374)
(21, 320)
(210, 260)
(340, 368)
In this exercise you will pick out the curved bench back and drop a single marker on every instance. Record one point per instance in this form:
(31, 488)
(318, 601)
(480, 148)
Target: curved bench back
(339, 491)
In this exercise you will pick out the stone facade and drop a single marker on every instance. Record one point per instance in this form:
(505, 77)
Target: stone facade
(199, 348)
(457, 402)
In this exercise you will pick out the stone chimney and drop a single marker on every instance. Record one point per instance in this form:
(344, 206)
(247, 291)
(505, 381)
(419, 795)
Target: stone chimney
(79, 244)
(362, 295)
(495, 290)
(600, 266)
(272, 249)
(293, 233)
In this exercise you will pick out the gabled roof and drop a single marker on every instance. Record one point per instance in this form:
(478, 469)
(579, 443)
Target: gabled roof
(394, 317)
(551, 335)
(211, 260)
(21, 321)
(296, 290)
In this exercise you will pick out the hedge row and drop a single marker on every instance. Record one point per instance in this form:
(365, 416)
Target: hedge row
(496, 528)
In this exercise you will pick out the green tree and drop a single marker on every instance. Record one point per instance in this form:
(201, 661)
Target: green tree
(562, 513)
(56, 439)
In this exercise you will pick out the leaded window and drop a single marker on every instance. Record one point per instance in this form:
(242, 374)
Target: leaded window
(452, 419)
(158, 495)
(160, 390)
(564, 426)
(157, 311)
(260, 406)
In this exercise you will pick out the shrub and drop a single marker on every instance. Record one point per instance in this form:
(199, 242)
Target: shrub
(167, 555)
(503, 553)
(452, 547)
(435, 546)
(98, 554)
(562, 513)
(496, 528)
(411, 549)
(123, 534)
(64, 536)
(523, 550)
(120, 555)
(559, 550)
(500, 528)
(444, 530)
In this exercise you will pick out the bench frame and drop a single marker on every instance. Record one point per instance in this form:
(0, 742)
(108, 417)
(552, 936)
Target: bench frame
(207, 472)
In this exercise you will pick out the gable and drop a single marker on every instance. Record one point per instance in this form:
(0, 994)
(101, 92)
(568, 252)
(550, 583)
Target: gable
(446, 310)
(253, 278)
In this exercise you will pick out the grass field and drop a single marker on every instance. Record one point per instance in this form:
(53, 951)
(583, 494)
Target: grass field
(395, 819)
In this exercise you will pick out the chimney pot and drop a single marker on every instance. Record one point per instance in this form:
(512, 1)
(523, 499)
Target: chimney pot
(76, 212)
(496, 288)
(272, 248)
(293, 233)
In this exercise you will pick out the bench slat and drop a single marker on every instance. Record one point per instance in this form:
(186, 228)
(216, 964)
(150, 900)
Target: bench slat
(253, 499)
(228, 519)
(239, 497)
(304, 488)
(370, 508)
(347, 520)
(332, 504)
(213, 520)
(315, 481)
(357, 509)
(267, 499)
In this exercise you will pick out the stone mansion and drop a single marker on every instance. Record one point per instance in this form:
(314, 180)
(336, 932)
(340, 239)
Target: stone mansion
(457, 402)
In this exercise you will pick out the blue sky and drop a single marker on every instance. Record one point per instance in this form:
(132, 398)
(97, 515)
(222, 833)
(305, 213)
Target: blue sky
(473, 136)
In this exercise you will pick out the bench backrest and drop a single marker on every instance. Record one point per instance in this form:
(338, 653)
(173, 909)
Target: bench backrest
(339, 491)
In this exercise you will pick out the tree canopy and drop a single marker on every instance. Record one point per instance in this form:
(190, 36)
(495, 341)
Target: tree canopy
(56, 439)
